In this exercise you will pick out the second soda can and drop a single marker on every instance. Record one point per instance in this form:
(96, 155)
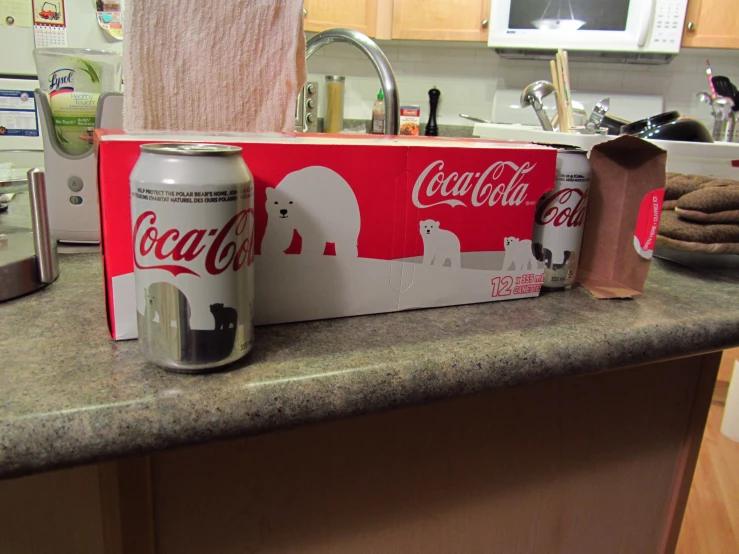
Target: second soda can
(560, 218)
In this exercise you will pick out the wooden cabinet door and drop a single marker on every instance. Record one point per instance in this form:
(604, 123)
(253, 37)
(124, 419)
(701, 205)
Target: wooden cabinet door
(360, 15)
(711, 24)
(441, 19)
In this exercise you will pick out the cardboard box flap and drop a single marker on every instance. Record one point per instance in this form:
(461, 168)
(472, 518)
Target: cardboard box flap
(626, 148)
(628, 177)
(323, 139)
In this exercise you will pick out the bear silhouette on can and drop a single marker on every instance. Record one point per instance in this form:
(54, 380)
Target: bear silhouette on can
(226, 318)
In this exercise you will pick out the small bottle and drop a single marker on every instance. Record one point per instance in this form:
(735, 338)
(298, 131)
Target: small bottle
(378, 115)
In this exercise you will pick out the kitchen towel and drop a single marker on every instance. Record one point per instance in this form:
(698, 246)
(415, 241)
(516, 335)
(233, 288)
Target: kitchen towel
(678, 234)
(191, 65)
(677, 184)
(715, 204)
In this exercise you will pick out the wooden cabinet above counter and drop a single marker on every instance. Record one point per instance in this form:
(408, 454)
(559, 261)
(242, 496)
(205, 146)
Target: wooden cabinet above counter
(711, 24)
(464, 20)
(708, 23)
(458, 20)
(360, 15)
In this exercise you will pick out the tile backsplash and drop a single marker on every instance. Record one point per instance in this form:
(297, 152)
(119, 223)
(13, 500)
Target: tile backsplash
(468, 76)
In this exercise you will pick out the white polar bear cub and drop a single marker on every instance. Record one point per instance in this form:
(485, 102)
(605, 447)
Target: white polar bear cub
(518, 253)
(439, 245)
(317, 203)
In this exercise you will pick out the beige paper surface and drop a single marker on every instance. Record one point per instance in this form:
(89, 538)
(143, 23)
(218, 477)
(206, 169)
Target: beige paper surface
(227, 66)
(19, 10)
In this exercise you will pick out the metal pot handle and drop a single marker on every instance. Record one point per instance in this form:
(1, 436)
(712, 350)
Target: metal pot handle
(48, 262)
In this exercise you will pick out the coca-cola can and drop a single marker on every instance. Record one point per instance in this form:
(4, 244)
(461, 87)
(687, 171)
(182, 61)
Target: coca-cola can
(560, 217)
(192, 208)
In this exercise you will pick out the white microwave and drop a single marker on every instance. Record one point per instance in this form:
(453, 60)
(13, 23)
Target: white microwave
(639, 26)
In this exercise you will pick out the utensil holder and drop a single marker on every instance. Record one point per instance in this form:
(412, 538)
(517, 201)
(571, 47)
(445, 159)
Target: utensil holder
(723, 129)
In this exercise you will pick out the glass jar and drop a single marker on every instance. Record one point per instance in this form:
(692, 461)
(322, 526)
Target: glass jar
(333, 122)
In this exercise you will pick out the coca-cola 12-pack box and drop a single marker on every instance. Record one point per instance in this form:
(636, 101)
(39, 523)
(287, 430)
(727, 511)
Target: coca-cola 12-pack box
(343, 226)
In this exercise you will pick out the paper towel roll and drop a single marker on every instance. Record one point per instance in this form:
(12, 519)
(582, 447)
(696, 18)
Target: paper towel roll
(730, 424)
(191, 65)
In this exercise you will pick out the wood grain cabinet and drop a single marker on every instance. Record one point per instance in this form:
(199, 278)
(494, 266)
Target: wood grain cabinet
(457, 20)
(514, 469)
(711, 24)
(360, 15)
(465, 20)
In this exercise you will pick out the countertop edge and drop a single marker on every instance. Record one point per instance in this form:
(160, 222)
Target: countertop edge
(124, 430)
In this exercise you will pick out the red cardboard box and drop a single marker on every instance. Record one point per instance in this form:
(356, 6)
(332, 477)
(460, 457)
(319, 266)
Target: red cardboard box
(378, 224)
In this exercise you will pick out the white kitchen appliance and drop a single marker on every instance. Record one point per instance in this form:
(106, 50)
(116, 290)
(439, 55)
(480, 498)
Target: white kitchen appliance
(648, 30)
(84, 27)
(72, 179)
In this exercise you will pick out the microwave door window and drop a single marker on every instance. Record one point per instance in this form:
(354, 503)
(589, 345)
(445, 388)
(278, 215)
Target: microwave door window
(569, 15)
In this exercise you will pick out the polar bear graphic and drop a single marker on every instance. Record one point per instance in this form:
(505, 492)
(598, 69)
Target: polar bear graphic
(317, 203)
(165, 304)
(439, 245)
(518, 254)
(554, 260)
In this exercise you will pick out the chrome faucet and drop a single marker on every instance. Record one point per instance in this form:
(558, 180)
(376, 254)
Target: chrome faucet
(379, 61)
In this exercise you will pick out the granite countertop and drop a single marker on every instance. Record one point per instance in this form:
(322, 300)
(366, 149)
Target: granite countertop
(69, 395)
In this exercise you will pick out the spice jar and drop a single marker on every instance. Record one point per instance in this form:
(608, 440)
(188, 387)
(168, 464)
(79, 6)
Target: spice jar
(334, 120)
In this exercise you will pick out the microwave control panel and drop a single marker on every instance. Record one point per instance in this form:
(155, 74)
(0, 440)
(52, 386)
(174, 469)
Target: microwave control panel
(669, 17)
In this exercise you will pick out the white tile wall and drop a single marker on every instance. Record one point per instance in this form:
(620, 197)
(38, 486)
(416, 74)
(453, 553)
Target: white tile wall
(468, 76)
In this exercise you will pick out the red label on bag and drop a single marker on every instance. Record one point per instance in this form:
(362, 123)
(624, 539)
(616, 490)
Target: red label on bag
(647, 223)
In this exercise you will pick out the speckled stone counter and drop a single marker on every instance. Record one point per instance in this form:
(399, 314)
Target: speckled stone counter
(69, 395)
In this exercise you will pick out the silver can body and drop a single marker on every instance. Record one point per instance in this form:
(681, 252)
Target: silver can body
(560, 219)
(192, 211)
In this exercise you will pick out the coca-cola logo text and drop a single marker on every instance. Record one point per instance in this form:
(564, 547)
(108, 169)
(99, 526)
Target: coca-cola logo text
(172, 245)
(501, 183)
(558, 210)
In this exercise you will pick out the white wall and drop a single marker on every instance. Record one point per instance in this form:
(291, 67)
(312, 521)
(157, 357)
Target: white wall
(468, 76)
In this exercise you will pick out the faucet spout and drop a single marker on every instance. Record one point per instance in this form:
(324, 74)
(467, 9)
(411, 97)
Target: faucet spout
(379, 61)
